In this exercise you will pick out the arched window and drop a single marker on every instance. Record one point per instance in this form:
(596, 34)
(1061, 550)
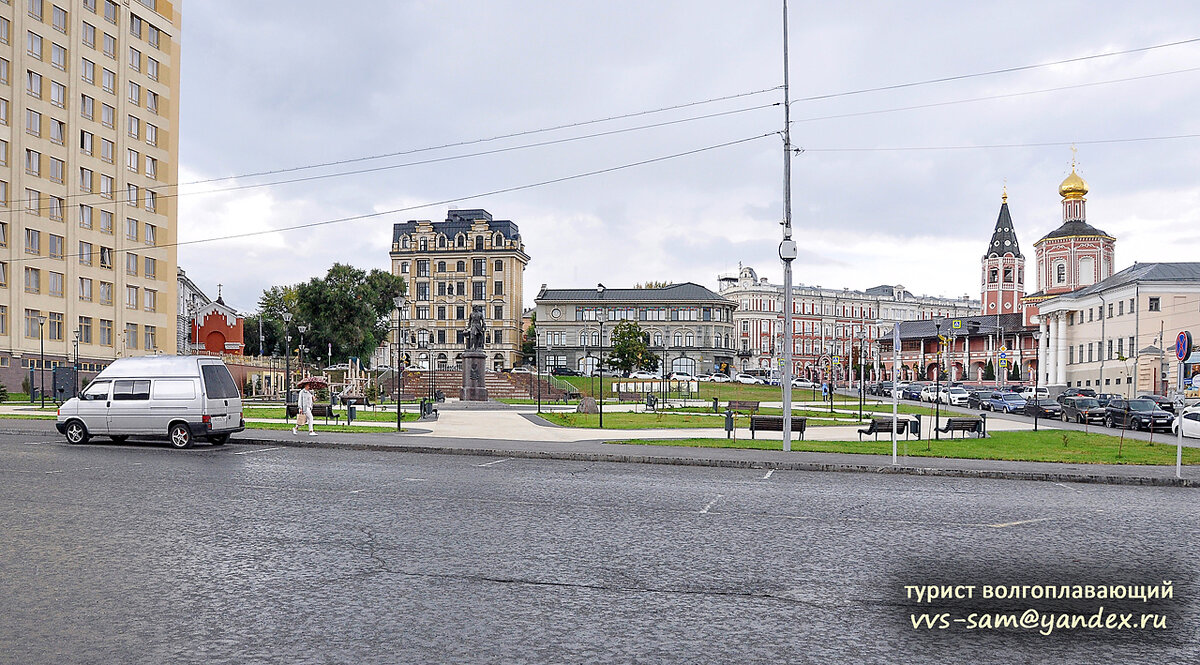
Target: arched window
(1008, 275)
(1060, 273)
(460, 240)
(689, 340)
(404, 242)
(728, 341)
(424, 245)
(678, 341)
(657, 339)
(461, 267)
(595, 338)
(442, 242)
(497, 240)
(1087, 271)
(583, 338)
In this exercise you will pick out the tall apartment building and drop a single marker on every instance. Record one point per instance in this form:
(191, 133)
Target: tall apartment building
(89, 149)
(452, 266)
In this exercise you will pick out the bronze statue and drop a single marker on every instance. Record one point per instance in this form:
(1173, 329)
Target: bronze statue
(475, 329)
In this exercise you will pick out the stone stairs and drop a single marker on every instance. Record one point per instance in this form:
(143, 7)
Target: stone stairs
(500, 385)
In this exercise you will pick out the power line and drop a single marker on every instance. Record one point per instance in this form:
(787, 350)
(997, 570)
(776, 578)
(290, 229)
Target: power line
(497, 137)
(1045, 144)
(1006, 70)
(434, 160)
(430, 204)
(1003, 96)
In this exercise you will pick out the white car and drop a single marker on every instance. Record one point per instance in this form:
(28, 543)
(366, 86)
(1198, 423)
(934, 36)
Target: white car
(642, 374)
(1029, 393)
(719, 378)
(681, 376)
(522, 369)
(1191, 422)
(748, 379)
(803, 383)
(929, 393)
(954, 396)
(898, 390)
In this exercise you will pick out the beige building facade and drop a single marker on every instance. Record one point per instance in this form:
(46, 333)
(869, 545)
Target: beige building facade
(89, 147)
(1118, 336)
(470, 260)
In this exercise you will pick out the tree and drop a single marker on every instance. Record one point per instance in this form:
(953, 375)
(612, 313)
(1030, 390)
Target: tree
(630, 350)
(989, 371)
(529, 343)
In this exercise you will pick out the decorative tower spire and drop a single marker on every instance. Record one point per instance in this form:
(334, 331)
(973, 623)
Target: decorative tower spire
(1003, 278)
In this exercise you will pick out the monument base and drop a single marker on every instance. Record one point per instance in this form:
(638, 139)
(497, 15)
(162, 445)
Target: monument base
(473, 388)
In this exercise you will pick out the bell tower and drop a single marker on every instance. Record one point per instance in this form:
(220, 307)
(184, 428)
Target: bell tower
(1003, 276)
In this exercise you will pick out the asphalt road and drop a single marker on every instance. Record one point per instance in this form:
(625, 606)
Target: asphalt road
(137, 553)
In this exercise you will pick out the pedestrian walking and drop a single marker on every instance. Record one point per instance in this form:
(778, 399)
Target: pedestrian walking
(304, 410)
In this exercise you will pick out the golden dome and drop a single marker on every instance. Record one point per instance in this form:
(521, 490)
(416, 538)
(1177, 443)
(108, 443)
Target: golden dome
(1073, 187)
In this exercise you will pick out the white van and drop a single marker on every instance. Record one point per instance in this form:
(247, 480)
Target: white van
(181, 397)
(1031, 393)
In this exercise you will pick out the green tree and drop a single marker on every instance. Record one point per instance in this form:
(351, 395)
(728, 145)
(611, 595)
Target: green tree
(529, 343)
(989, 371)
(348, 310)
(630, 350)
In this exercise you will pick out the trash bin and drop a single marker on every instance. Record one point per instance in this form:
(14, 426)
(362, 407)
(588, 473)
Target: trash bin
(728, 422)
(351, 413)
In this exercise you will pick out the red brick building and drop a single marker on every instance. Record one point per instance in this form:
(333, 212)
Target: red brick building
(217, 328)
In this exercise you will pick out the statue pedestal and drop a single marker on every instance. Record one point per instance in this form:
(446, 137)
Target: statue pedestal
(473, 387)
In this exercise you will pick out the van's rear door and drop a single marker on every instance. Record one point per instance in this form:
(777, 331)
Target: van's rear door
(223, 403)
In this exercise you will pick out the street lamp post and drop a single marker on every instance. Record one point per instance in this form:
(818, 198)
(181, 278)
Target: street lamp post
(537, 368)
(42, 361)
(400, 305)
(303, 329)
(76, 364)
(600, 316)
(937, 383)
(287, 357)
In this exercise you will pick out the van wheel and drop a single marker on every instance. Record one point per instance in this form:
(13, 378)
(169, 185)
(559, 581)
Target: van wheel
(119, 438)
(218, 439)
(76, 433)
(180, 436)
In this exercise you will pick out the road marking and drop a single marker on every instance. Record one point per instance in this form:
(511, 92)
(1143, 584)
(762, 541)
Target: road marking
(415, 480)
(1068, 487)
(260, 450)
(769, 472)
(59, 471)
(37, 443)
(1007, 524)
(496, 462)
(710, 504)
(355, 491)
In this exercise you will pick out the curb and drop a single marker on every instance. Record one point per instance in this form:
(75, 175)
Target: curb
(1145, 481)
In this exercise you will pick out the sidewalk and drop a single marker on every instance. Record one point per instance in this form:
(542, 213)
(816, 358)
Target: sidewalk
(517, 433)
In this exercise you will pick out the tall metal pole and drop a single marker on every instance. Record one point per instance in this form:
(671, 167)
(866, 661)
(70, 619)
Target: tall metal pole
(42, 360)
(787, 247)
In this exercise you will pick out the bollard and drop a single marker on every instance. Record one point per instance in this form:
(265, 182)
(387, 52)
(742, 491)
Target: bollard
(983, 416)
(716, 406)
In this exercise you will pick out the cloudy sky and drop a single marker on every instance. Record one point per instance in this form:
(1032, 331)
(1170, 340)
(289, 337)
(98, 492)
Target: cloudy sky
(898, 186)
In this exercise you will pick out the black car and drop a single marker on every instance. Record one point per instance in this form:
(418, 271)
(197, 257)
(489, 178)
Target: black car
(977, 398)
(1162, 402)
(1075, 392)
(1104, 398)
(564, 371)
(1136, 413)
(1042, 408)
(1081, 409)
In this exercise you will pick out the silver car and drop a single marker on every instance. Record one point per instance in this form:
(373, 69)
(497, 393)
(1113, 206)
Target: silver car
(181, 397)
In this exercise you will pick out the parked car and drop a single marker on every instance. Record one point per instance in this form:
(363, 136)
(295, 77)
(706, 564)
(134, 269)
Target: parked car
(929, 393)
(1163, 403)
(749, 379)
(523, 369)
(803, 383)
(1082, 409)
(1189, 420)
(883, 389)
(1105, 398)
(898, 390)
(954, 396)
(1006, 403)
(1136, 414)
(563, 371)
(181, 397)
(978, 399)
(1043, 408)
(1033, 392)
(913, 391)
(643, 374)
(718, 377)
(1075, 392)
(681, 376)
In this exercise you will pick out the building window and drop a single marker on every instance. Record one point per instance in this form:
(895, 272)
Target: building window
(1060, 273)
(151, 235)
(106, 293)
(131, 228)
(422, 267)
(131, 335)
(56, 246)
(151, 271)
(151, 341)
(131, 264)
(131, 297)
(477, 267)
(56, 327)
(85, 289)
(106, 221)
(33, 280)
(106, 258)
(498, 312)
(1154, 305)
(85, 216)
(85, 330)
(498, 288)
(106, 332)
(150, 300)
(32, 323)
(33, 241)
(477, 292)
(404, 267)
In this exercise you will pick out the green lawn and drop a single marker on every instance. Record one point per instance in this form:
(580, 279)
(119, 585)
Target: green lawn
(1024, 446)
(369, 416)
(662, 420)
(28, 416)
(320, 428)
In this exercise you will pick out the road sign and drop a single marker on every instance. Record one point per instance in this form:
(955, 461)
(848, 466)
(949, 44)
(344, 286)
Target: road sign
(956, 324)
(1183, 345)
(781, 362)
(1003, 355)
(1003, 364)
(1003, 348)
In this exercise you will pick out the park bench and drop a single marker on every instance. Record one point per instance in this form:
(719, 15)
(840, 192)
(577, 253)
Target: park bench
(775, 424)
(883, 424)
(964, 425)
(629, 397)
(319, 410)
(738, 406)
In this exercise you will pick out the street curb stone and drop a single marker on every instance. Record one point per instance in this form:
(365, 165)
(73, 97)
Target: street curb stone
(575, 456)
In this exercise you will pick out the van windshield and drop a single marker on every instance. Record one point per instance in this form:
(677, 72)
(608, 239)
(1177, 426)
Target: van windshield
(218, 384)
